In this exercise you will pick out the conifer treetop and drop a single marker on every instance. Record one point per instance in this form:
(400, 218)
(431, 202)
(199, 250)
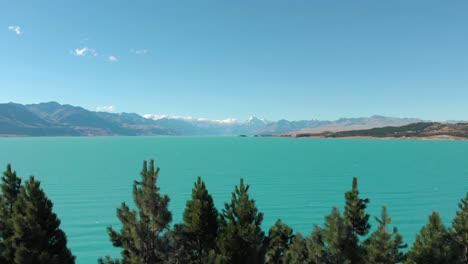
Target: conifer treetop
(355, 211)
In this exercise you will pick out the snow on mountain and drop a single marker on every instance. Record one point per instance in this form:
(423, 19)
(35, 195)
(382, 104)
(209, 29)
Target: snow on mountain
(191, 119)
(55, 119)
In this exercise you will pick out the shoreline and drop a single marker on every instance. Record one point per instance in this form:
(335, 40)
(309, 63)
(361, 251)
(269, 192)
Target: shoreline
(434, 138)
(437, 138)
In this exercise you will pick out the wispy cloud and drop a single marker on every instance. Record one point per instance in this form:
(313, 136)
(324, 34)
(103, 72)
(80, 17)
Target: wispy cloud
(139, 51)
(85, 51)
(113, 59)
(16, 29)
(106, 108)
(191, 119)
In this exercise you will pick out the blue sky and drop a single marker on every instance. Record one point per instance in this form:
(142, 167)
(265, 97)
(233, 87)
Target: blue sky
(233, 59)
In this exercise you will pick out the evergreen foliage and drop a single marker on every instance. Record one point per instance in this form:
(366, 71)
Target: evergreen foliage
(336, 236)
(108, 260)
(384, 247)
(355, 211)
(460, 230)
(279, 239)
(37, 238)
(176, 246)
(10, 188)
(433, 244)
(356, 221)
(142, 234)
(317, 253)
(240, 239)
(200, 227)
(297, 252)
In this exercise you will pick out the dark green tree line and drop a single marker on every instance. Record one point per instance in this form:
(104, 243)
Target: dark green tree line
(236, 236)
(30, 231)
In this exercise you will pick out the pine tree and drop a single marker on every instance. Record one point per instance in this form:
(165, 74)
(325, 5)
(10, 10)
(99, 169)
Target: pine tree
(200, 227)
(297, 252)
(398, 245)
(384, 247)
(10, 187)
(459, 230)
(336, 236)
(241, 239)
(176, 246)
(108, 260)
(37, 238)
(357, 220)
(433, 244)
(316, 247)
(279, 239)
(142, 234)
(355, 211)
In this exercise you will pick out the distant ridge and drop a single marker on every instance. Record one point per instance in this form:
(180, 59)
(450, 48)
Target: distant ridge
(54, 119)
(421, 130)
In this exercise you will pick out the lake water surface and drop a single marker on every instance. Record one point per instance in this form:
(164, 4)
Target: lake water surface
(297, 180)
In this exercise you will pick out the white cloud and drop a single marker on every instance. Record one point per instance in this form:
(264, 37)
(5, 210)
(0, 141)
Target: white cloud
(139, 51)
(191, 119)
(85, 51)
(113, 59)
(108, 108)
(16, 29)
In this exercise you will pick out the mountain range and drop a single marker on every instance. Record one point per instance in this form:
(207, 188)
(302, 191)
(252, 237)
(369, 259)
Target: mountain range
(54, 119)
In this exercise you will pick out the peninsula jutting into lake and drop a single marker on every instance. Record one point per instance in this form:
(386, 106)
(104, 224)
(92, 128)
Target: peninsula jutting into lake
(422, 130)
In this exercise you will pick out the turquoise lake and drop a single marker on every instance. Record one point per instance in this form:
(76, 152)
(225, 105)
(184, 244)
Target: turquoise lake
(297, 180)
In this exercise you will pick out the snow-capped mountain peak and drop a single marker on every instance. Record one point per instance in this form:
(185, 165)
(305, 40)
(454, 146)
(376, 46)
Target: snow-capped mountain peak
(254, 119)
